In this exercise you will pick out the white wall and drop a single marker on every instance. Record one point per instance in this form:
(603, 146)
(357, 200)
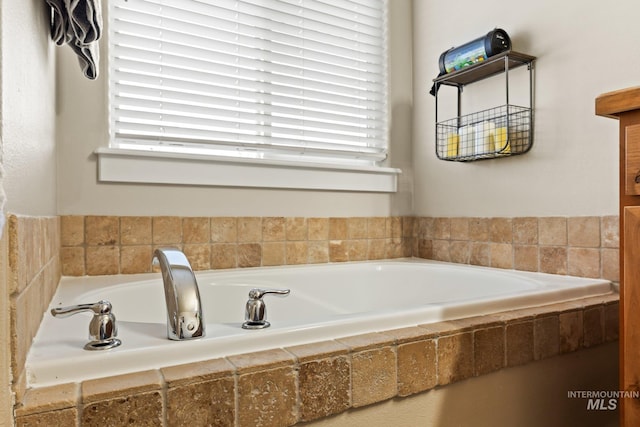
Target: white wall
(27, 124)
(27, 141)
(584, 48)
(82, 127)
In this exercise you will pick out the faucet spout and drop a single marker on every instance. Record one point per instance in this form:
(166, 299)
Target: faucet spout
(184, 309)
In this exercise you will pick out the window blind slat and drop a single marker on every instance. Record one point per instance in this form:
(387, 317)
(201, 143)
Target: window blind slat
(282, 78)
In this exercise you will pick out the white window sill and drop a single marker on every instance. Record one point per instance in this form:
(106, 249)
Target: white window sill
(135, 166)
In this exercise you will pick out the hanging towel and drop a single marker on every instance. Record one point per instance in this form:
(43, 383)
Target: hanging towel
(78, 23)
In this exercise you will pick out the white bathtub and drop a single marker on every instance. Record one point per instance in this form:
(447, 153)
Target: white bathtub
(326, 301)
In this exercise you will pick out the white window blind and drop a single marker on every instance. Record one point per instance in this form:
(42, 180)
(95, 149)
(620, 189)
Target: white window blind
(301, 80)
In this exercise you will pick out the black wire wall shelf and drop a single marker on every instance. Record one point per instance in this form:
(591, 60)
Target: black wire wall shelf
(503, 131)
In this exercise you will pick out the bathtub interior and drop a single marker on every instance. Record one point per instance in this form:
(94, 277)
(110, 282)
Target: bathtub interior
(326, 302)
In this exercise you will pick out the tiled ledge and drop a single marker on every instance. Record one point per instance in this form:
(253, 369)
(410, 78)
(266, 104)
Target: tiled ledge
(303, 383)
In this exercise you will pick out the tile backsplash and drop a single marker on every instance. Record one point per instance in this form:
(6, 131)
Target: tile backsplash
(580, 246)
(97, 245)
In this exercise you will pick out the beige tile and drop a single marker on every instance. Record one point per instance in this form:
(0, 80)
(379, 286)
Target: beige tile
(440, 250)
(417, 370)
(394, 227)
(525, 230)
(136, 230)
(102, 230)
(501, 255)
(501, 230)
(407, 226)
(459, 229)
(324, 387)
(553, 259)
(102, 260)
(374, 376)
(250, 229)
(249, 255)
(72, 228)
(318, 252)
(224, 256)
(395, 248)
(610, 259)
(357, 249)
(424, 248)
(120, 385)
(357, 228)
(135, 259)
(377, 249)
(584, 231)
(208, 403)
(412, 334)
(366, 341)
(196, 230)
(488, 350)
(62, 417)
(552, 231)
(297, 252)
(72, 260)
(525, 258)
(424, 227)
(570, 331)
(546, 338)
(200, 393)
(480, 254)
(338, 251)
(584, 262)
(45, 399)
(460, 251)
(296, 228)
(610, 231)
(442, 228)
(455, 358)
(273, 229)
(167, 230)
(593, 326)
(261, 360)
(224, 230)
(377, 227)
(273, 253)
(190, 373)
(519, 339)
(479, 229)
(338, 229)
(319, 350)
(267, 398)
(199, 255)
(144, 409)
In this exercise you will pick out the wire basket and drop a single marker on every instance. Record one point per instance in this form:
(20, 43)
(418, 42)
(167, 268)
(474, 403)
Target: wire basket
(497, 132)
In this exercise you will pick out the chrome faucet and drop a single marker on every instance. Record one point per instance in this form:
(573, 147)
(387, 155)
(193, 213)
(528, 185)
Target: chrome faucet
(184, 310)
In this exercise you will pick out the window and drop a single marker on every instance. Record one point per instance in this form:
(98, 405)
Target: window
(236, 84)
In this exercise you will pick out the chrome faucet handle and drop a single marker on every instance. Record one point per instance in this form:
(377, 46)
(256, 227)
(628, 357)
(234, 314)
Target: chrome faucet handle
(255, 314)
(102, 328)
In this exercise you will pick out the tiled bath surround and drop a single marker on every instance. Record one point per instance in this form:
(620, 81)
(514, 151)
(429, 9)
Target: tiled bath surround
(96, 245)
(34, 273)
(579, 246)
(282, 387)
(321, 379)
